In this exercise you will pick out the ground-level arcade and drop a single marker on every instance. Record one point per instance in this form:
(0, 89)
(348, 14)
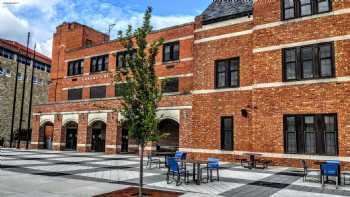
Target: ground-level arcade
(102, 130)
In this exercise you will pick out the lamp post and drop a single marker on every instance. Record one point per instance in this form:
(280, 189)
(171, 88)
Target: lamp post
(30, 100)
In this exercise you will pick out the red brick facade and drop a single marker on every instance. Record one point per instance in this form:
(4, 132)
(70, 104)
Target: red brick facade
(257, 40)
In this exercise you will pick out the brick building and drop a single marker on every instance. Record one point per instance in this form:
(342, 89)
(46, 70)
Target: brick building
(243, 78)
(10, 52)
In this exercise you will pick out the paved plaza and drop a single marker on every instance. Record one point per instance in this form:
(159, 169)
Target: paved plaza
(51, 173)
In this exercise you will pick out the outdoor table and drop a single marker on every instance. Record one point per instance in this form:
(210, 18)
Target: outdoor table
(252, 158)
(196, 168)
(324, 162)
(165, 154)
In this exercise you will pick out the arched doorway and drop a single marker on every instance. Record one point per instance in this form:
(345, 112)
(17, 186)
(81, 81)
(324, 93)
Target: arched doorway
(46, 135)
(71, 135)
(98, 136)
(171, 129)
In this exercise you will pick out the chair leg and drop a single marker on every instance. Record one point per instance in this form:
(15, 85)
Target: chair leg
(178, 180)
(336, 183)
(217, 171)
(322, 180)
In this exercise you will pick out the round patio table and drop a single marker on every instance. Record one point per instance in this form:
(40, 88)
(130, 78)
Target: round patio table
(252, 158)
(196, 168)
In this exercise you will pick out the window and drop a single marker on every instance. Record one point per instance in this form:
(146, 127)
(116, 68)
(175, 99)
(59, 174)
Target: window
(75, 67)
(98, 92)
(308, 62)
(227, 133)
(123, 57)
(2, 72)
(311, 134)
(171, 51)
(75, 94)
(48, 68)
(170, 85)
(19, 76)
(300, 8)
(99, 64)
(7, 72)
(120, 89)
(6, 53)
(22, 59)
(35, 80)
(227, 73)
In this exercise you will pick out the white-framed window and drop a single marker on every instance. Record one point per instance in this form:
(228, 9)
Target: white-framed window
(19, 76)
(35, 80)
(7, 72)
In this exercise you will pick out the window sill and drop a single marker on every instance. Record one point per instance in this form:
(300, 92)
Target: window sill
(304, 17)
(311, 79)
(171, 62)
(100, 72)
(73, 76)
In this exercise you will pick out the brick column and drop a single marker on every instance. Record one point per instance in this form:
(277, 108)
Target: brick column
(35, 143)
(58, 134)
(111, 133)
(83, 144)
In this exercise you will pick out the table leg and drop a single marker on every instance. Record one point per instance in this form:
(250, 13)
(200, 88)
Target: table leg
(194, 172)
(198, 171)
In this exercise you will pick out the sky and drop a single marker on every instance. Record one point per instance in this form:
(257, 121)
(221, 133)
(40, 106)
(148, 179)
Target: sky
(41, 17)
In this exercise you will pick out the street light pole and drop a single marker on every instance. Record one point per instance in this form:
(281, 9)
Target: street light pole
(23, 91)
(30, 100)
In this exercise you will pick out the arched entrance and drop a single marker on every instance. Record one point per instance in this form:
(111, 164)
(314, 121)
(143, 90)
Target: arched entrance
(71, 135)
(171, 129)
(98, 136)
(46, 135)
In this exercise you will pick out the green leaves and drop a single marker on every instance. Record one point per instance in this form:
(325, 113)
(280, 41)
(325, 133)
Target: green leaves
(142, 91)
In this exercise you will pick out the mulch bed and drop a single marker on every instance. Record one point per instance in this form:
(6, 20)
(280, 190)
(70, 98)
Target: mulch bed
(133, 192)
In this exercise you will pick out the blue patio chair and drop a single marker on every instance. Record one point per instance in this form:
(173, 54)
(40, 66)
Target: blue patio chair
(176, 170)
(329, 169)
(179, 155)
(213, 165)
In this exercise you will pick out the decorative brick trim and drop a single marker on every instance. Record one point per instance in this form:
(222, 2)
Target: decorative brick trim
(87, 86)
(84, 145)
(295, 44)
(224, 24)
(177, 76)
(274, 85)
(266, 154)
(223, 36)
(180, 38)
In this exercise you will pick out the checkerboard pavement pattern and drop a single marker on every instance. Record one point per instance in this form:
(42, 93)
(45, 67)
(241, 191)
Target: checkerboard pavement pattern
(52, 173)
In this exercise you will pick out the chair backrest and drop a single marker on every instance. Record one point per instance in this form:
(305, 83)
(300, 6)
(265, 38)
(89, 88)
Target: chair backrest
(172, 164)
(329, 169)
(180, 155)
(333, 161)
(213, 162)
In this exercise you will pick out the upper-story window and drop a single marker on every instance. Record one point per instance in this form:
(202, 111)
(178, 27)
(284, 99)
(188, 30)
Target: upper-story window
(75, 67)
(120, 89)
(122, 58)
(2, 71)
(22, 59)
(171, 51)
(99, 64)
(308, 62)
(227, 73)
(19, 76)
(75, 94)
(6, 53)
(170, 85)
(98, 92)
(300, 8)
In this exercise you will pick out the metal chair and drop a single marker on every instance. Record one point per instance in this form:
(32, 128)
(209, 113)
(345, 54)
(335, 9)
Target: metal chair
(175, 169)
(179, 155)
(307, 170)
(213, 165)
(329, 169)
(152, 160)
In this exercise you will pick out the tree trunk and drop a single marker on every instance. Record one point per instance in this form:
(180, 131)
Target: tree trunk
(141, 170)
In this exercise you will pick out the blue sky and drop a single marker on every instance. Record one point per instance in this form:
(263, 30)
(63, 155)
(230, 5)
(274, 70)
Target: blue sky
(41, 17)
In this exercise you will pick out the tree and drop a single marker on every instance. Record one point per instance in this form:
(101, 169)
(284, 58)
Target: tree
(142, 92)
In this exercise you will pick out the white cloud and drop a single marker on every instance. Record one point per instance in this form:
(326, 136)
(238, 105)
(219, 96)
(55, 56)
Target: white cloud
(41, 17)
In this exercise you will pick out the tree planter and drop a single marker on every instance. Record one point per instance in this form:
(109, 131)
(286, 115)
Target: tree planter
(133, 191)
